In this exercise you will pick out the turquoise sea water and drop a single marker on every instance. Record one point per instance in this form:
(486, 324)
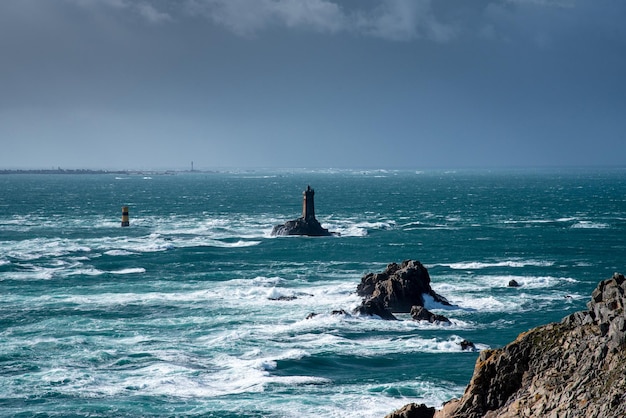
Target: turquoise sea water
(177, 314)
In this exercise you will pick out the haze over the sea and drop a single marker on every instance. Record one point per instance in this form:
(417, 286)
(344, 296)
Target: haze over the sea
(156, 84)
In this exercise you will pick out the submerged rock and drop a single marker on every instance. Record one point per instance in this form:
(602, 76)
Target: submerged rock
(339, 312)
(574, 368)
(283, 298)
(467, 345)
(513, 283)
(307, 224)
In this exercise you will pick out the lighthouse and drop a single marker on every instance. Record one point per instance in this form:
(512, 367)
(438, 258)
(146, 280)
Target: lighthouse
(308, 205)
(307, 224)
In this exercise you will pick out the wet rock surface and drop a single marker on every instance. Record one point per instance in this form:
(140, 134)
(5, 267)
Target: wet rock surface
(574, 368)
(419, 313)
(399, 287)
(301, 226)
(413, 410)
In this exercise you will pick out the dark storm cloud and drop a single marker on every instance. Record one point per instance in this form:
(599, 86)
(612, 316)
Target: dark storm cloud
(245, 82)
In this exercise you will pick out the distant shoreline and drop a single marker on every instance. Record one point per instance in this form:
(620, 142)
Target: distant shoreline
(88, 171)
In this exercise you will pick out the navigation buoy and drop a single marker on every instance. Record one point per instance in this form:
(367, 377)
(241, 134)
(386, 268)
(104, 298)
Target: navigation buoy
(125, 221)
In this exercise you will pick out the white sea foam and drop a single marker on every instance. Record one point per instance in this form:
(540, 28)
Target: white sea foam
(116, 253)
(90, 271)
(590, 225)
(131, 270)
(486, 283)
(31, 272)
(476, 265)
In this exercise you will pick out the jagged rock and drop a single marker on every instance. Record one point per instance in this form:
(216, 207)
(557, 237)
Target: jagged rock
(419, 313)
(283, 298)
(400, 287)
(301, 226)
(513, 283)
(307, 224)
(374, 306)
(467, 345)
(574, 368)
(413, 410)
(339, 312)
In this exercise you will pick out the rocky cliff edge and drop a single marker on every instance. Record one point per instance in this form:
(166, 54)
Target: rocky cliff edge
(574, 368)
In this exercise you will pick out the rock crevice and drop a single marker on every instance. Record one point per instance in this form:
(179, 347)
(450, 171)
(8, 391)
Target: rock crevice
(397, 289)
(574, 368)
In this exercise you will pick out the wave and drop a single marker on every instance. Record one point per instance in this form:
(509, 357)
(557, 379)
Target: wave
(84, 272)
(477, 265)
(135, 270)
(36, 248)
(116, 253)
(352, 228)
(590, 225)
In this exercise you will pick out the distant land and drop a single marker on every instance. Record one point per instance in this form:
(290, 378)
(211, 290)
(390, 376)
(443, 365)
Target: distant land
(90, 171)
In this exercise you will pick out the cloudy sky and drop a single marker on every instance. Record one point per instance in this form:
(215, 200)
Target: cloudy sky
(155, 84)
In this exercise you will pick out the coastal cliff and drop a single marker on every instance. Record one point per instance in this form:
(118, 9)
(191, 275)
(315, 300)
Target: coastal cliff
(574, 368)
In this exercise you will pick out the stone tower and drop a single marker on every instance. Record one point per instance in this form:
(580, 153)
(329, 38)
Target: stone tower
(308, 206)
(306, 224)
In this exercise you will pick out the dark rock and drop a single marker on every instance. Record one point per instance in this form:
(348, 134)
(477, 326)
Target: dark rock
(300, 226)
(574, 368)
(339, 312)
(513, 283)
(419, 313)
(413, 410)
(284, 298)
(374, 306)
(311, 315)
(467, 345)
(400, 287)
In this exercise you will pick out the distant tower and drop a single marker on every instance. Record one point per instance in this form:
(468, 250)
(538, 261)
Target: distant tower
(125, 221)
(308, 206)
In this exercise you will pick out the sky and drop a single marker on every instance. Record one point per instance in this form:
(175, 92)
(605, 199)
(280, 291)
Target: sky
(395, 84)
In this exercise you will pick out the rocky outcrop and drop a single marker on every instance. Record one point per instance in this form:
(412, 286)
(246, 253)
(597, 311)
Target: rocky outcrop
(373, 306)
(419, 313)
(399, 287)
(301, 226)
(307, 224)
(413, 410)
(574, 368)
(467, 345)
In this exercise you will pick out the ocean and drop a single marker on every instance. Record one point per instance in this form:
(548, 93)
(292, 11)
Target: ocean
(196, 310)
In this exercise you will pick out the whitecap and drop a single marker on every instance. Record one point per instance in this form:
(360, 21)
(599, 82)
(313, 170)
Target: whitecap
(348, 230)
(238, 244)
(276, 293)
(430, 303)
(132, 270)
(85, 272)
(590, 225)
(116, 253)
(477, 265)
